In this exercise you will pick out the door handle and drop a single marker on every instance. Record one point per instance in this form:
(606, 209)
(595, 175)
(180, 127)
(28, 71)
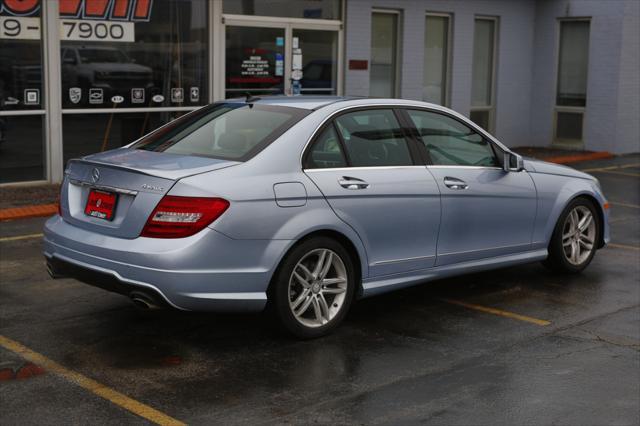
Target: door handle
(454, 183)
(349, 182)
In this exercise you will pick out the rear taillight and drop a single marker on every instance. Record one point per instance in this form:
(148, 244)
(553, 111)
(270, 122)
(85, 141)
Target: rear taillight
(179, 217)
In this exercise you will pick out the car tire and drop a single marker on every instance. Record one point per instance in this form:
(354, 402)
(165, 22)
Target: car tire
(575, 237)
(313, 288)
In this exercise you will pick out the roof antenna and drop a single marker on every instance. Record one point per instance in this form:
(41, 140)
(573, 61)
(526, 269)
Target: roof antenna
(250, 99)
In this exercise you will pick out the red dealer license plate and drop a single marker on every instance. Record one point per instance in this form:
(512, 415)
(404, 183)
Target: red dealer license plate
(101, 204)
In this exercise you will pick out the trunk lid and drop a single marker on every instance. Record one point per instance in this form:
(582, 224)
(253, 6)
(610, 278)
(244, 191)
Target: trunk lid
(138, 178)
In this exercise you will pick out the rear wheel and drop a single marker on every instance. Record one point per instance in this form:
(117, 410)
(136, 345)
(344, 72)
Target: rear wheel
(575, 237)
(314, 287)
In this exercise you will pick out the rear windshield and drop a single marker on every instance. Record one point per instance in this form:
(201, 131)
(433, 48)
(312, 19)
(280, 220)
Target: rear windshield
(229, 131)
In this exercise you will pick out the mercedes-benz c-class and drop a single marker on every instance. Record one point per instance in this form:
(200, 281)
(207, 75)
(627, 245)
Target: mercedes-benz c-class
(305, 204)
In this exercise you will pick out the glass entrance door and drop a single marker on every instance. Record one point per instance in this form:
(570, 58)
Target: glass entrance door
(280, 56)
(254, 61)
(319, 50)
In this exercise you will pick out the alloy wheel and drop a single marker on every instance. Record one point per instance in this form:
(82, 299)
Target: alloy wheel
(578, 235)
(318, 287)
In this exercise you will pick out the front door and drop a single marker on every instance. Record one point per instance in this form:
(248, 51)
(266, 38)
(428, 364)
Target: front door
(368, 172)
(486, 212)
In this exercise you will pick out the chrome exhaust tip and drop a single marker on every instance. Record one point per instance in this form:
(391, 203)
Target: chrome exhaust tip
(143, 301)
(52, 271)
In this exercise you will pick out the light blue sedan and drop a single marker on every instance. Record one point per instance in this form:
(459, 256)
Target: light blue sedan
(304, 204)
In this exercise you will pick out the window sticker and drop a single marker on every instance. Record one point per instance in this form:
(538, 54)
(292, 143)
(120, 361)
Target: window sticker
(177, 94)
(75, 94)
(32, 96)
(137, 96)
(96, 95)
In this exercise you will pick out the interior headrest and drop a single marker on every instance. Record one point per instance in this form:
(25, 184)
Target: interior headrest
(232, 141)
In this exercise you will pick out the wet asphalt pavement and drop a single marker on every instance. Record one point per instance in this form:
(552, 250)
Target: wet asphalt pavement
(413, 356)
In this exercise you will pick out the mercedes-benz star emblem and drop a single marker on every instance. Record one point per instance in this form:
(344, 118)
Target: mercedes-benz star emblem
(95, 175)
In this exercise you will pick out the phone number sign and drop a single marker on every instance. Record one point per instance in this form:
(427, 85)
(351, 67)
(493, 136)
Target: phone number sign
(82, 20)
(70, 29)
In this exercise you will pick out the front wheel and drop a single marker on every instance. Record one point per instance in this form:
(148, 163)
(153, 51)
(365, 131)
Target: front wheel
(575, 238)
(314, 288)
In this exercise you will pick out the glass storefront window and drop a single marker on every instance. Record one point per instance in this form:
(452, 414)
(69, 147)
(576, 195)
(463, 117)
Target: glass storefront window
(571, 92)
(151, 55)
(21, 80)
(21, 148)
(85, 134)
(436, 56)
(309, 9)
(483, 43)
(22, 152)
(483, 72)
(384, 54)
(573, 63)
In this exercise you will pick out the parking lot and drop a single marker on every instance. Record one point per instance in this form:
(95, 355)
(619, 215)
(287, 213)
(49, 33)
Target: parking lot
(513, 346)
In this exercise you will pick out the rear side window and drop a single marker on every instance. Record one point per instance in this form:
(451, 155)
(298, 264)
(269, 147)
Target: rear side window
(326, 152)
(450, 142)
(225, 131)
(373, 138)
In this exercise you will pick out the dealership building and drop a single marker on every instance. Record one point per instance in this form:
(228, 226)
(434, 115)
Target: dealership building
(82, 76)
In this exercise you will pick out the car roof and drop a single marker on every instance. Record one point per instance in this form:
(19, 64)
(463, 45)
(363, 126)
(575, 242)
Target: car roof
(311, 102)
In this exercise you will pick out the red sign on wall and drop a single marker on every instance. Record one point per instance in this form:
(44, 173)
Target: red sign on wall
(116, 10)
(358, 64)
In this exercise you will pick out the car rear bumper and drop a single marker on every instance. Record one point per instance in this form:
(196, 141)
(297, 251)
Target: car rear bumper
(205, 272)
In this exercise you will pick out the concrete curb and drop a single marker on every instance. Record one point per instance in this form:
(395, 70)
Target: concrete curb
(40, 210)
(579, 158)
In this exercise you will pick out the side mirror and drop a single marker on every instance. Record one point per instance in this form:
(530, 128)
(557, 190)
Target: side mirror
(512, 162)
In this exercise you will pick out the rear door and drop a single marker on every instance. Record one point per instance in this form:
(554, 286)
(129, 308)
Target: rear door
(370, 174)
(486, 212)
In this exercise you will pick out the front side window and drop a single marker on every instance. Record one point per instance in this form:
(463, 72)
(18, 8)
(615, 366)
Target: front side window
(227, 131)
(451, 143)
(373, 138)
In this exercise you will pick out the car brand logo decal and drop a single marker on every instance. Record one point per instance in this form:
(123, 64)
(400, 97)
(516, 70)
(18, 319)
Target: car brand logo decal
(95, 95)
(177, 94)
(137, 96)
(75, 94)
(117, 99)
(194, 94)
(95, 175)
(32, 96)
(158, 98)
